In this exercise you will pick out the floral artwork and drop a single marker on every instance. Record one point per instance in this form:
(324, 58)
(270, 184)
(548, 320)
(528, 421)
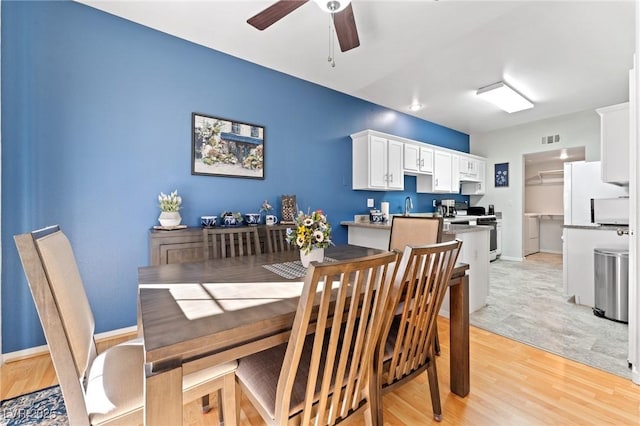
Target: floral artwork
(311, 231)
(226, 148)
(502, 175)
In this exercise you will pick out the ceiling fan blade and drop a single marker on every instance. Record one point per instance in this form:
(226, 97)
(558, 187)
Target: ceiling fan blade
(274, 13)
(346, 30)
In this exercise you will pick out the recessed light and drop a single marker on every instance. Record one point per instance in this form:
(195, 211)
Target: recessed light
(415, 106)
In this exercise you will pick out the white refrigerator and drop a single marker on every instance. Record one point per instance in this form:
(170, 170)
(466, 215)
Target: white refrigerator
(582, 182)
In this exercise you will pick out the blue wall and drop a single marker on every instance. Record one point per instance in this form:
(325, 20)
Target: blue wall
(96, 121)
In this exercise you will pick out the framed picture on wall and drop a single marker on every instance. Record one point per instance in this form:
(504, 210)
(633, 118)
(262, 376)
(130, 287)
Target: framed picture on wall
(501, 175)
(222, 147)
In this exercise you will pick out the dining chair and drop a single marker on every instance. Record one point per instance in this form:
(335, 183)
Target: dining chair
(230, 242)
(277, 238)
(325, 369)
(416, 230)
(105, 388)
(406, 346)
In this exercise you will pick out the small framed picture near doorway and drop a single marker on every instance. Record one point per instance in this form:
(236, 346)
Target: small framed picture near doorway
(501, 175)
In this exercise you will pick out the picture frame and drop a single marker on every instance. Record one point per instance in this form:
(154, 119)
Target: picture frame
(224, 147)
(501, 175)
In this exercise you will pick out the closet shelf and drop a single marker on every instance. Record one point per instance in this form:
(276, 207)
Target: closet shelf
(552, 176)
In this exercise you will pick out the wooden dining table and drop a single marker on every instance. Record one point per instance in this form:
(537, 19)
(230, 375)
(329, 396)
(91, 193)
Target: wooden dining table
(199, 314)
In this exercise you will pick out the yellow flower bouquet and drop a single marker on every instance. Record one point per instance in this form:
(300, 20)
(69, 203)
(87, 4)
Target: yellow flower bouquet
(312, 231)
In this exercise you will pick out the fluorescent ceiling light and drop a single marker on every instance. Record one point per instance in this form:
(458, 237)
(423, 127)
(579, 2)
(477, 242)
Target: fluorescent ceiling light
(504, 97)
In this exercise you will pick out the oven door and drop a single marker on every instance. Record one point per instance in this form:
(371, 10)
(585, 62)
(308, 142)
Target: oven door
(493, 236)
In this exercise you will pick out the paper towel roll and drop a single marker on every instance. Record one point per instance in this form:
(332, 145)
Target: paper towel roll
(384, 209)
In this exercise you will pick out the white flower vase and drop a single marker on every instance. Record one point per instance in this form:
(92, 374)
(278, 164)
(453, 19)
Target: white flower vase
(314, 255)
(170, 218)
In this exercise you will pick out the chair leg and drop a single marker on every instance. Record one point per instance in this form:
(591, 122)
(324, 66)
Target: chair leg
(436, 342)
(230, 403)
(432, 372)
(206, 407)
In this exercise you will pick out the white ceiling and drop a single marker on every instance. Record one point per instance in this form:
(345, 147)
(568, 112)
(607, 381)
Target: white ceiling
(565, 56)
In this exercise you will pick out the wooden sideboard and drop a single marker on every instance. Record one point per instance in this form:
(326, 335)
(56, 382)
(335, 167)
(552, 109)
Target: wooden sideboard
(177, 246)
(182, 245)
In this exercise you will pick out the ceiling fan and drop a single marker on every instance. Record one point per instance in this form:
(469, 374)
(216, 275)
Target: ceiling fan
(341, 11)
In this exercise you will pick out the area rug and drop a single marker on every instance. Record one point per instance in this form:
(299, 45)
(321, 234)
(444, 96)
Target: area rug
(44, 407)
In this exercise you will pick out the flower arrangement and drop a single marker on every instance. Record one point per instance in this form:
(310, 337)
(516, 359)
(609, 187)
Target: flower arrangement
(171, 202)
(266, 207)
(312, 231)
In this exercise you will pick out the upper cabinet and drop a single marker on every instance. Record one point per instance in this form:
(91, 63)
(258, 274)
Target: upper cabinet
(417, 159)
(614, 143)
(478, 186)
(444, 179)
(469, 169)
(380, 162)
(377, 162)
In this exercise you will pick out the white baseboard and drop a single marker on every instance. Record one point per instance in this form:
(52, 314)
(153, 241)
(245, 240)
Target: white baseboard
(41, 350)
(512, 259)
(551, 251)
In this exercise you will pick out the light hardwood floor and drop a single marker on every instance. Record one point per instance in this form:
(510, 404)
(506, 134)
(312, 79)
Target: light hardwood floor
(511, 384)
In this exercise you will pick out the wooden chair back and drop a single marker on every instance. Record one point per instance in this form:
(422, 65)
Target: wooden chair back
(412, 230)
(277, 238)
(420, 284)
(230, 242)
(64, 311)
(339, 319)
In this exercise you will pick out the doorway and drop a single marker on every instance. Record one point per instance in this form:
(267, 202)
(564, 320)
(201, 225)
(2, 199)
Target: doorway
(543, 202)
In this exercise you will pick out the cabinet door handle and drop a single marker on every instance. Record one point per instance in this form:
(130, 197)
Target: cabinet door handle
(391, 177)
(622, 232)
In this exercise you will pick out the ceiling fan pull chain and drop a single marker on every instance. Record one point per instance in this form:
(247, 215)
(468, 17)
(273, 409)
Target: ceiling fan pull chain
(332, 56)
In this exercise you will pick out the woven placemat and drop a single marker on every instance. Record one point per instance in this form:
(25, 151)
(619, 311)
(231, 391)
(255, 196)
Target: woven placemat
(291, 270)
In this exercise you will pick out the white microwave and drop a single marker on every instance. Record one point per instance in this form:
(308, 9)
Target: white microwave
(610, 211)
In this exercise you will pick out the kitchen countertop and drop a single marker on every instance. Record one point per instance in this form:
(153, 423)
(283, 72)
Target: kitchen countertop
(597, 227)
(453, 228)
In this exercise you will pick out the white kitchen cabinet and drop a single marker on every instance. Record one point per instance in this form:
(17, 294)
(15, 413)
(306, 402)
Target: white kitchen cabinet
(441, 171)
(441, 181)
(417, 159)
(614, 143)
(455, 173)
(531, 234)
(578, 259)
(469, 168)
(377, 163)
(479, 187)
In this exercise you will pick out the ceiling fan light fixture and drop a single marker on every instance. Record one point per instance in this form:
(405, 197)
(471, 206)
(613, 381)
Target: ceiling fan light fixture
(504, 97)
(332, 6)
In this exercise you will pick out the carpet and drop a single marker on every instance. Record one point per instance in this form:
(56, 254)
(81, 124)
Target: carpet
(44, 407)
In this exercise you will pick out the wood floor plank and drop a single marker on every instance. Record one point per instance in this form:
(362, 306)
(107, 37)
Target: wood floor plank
(511, 384)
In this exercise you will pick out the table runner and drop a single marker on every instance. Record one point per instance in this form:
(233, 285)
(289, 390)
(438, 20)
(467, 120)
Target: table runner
(291, 270)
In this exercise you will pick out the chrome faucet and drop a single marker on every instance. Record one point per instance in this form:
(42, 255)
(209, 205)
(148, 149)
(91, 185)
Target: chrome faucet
(408, 205)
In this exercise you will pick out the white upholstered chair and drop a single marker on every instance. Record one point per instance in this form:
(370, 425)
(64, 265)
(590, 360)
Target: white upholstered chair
(414, 230)
(105, 388)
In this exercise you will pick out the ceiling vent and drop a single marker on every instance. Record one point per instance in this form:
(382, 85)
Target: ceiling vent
(550, 139)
